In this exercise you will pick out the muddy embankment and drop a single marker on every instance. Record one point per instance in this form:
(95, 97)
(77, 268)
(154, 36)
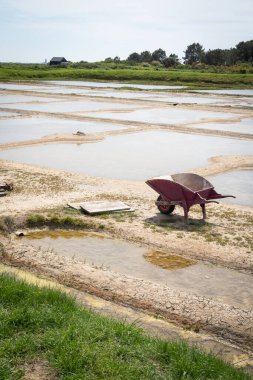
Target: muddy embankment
(198, 313)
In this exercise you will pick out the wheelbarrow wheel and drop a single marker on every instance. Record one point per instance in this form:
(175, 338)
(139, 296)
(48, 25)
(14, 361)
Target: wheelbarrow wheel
(168, 209)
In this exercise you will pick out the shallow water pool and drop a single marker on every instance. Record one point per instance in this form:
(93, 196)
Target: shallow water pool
(21, 129)
(135, 156)
(23, 87)
(129, 259)
(152, 96)
(109, 90)
(5, 99)
(162, 115)
(70, 106)
(238, 183)
(245, 92)
(242, 126)
(62, 86)
(112, 85)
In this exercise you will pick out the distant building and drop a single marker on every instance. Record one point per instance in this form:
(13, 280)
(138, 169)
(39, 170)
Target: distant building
(57, 61)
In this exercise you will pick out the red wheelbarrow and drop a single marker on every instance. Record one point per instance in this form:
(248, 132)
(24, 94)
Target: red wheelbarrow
(184, 189)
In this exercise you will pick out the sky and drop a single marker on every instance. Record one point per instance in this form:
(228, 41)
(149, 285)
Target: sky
(92, 30)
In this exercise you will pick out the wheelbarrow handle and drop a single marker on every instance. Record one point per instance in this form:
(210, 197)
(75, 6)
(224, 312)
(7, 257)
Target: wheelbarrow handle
(203, 199)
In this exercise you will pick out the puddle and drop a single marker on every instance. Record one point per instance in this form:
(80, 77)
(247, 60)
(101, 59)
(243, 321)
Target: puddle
(21, 129)
(243, 126)
(238, 183)
(163, 115)
(127, 258)
(153, 153)
(165, 261)
(72, 106)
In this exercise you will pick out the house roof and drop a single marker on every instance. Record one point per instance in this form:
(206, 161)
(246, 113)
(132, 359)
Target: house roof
(58, 59)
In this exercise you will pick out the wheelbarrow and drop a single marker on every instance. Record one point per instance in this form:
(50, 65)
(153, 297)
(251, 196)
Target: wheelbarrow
(184, 189)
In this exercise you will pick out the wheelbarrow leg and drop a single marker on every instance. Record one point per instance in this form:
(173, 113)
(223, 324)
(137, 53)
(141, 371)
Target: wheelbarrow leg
(203, 206)
(186, 209)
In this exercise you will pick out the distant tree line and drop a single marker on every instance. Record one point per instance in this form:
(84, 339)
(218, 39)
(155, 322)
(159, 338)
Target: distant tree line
(196, 54)
(158, 55)
(241, 53)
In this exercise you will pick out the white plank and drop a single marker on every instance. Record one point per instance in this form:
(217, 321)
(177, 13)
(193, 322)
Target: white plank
(98, 207)
(75, 206)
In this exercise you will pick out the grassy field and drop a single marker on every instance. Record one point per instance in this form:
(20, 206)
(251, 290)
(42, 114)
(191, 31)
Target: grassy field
(43, 324)
(193, 78)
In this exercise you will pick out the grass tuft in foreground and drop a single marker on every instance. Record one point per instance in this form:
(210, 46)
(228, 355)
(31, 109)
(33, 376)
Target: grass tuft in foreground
(56, 221)
(78, 344)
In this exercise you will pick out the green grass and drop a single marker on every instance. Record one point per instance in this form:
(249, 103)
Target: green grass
(78, 344)
(56, 221)
(192, 78)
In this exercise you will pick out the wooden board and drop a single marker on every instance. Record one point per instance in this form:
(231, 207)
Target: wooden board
(99, 207)
(75, 206)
